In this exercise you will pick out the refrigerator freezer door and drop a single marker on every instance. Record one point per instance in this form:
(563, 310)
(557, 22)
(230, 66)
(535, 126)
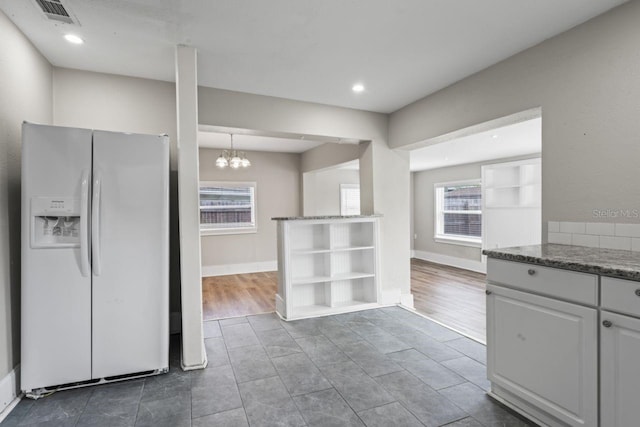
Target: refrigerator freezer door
(131, 248)
(56, 298)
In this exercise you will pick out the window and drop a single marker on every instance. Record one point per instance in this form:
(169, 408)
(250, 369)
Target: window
(349, 199)
(459, 213)
(227, 207)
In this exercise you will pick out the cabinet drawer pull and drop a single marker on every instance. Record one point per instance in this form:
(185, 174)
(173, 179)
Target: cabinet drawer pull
(607, 323)
(487, 292)
(531, 272)
(638, 292)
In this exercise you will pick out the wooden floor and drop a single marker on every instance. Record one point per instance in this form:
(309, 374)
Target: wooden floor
(451, 296)
(238, 295)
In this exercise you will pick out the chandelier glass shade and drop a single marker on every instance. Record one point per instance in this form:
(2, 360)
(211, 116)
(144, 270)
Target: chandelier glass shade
(232, 158)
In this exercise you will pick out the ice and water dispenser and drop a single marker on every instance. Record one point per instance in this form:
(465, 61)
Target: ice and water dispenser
(55, 222)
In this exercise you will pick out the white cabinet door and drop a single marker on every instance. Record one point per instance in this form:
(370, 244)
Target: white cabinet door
(130, 253)
(544, 352)
(619, 370)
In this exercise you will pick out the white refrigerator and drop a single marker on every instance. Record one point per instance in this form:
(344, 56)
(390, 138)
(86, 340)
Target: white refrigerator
(95, 256)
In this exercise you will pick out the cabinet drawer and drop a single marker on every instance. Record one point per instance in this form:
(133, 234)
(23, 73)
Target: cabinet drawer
(620, 295)
(554, 282)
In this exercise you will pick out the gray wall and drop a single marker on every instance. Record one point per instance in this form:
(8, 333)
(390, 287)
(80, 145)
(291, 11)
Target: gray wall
(124, 104)
(328, 155)
(423, 214)
(412, 209)
(116, 103)
(277, 176)
(25, 94)
(586, 81)
(321, 190)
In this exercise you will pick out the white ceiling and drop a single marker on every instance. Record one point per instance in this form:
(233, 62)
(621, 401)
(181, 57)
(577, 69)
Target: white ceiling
(311, 50)
(509, 141)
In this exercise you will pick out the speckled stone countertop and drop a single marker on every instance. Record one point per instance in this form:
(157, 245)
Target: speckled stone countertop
(606, 262)
(303, 218)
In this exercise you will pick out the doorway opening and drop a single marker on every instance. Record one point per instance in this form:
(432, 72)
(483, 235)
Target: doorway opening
(237, 236)
(332, 191)
(474, 189)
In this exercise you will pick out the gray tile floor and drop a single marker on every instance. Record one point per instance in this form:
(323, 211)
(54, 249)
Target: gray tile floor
(383, 367)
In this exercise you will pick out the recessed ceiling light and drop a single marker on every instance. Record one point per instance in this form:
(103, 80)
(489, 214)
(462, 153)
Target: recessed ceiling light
(494, 136)
(72, 38)
(358, 87)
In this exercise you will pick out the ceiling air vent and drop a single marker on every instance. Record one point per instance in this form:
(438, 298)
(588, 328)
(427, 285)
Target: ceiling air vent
(54, 9)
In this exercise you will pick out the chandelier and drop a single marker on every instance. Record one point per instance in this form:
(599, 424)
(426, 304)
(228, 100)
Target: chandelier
(232, 158)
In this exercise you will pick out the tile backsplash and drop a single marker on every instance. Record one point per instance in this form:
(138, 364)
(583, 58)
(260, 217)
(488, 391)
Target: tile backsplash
(595, 234)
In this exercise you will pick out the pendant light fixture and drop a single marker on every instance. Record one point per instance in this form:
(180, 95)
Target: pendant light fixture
(232, 158)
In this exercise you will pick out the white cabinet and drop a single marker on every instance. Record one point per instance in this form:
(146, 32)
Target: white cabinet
(620, 353)
(542, 342)
(543, 353)
(511, 200)
(619, 370)
(326, 266)
(546, 345)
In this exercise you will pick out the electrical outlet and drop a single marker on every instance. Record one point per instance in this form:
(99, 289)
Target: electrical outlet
(415, 236)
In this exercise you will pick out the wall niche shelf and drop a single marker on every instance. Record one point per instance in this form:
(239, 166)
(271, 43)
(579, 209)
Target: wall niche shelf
(511, 200)
(512, 185)
(327, 265)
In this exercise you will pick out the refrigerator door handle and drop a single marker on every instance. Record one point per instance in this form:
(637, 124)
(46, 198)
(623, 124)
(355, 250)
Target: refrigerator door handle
(84, 224)
(95, 224)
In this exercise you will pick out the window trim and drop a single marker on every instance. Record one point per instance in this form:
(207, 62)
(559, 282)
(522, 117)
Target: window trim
(348, 187)
(211, 231)
(438, 222)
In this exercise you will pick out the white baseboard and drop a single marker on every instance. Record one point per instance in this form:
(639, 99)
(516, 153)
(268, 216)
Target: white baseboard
(406, 300)
(394, 296)
(249, 267)
(452, 261)
(281, 307)
(203, 365)
(9, 392)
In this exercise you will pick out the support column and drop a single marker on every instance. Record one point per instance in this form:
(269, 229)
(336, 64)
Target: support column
(385, 183)
(193, 353)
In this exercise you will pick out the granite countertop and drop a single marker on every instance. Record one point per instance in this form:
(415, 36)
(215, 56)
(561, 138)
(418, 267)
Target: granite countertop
(321, 217)
(606, 262)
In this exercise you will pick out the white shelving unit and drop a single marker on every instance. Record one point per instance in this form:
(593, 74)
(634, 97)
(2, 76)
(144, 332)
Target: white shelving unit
(512, 185)
(511, 204)
(326, 265)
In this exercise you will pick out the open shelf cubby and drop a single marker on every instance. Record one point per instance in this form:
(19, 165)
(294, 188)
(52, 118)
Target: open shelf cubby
(310, 237)
(351, 235)
(310, 267)
(327, 266)
(512, 185)
(362, 261)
